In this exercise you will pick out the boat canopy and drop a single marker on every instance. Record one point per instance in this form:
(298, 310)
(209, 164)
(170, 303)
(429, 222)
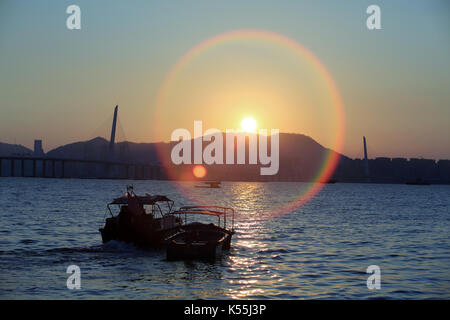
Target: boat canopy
(144, 200)
(209, 210)
(216, 211)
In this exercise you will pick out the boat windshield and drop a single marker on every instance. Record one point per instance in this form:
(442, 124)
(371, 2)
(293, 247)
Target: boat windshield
(153, 205)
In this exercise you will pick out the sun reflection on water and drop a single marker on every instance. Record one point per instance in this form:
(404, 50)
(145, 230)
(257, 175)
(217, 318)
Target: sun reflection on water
(318, 251)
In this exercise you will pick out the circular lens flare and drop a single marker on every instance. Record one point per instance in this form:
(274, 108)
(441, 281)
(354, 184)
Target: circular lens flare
(330, 158)
(199, 171)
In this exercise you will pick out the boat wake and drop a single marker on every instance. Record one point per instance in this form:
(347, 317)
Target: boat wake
(112, 246)
(109, 247)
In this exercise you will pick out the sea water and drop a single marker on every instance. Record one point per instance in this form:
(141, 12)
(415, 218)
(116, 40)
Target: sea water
(318, 251)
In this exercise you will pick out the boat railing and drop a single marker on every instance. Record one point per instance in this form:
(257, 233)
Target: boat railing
(211, 210)
(155, 207)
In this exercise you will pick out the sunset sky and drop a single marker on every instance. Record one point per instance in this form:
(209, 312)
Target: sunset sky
(61, 85)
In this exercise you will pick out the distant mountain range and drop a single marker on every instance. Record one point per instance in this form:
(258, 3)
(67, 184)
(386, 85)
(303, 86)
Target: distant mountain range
(292, 146)
(301, 158)
(7, 149)
(98, 149)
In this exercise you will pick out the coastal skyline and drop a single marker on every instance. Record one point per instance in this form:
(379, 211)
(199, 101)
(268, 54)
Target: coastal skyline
(61, 86)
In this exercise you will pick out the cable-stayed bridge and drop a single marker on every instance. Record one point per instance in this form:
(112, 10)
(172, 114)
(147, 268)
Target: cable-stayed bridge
(61, 167)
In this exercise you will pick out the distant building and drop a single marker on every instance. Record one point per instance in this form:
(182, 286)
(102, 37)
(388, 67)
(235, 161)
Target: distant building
(444, 170)
(366, 161)
(113, 135)
(38, 151)
(425, 169)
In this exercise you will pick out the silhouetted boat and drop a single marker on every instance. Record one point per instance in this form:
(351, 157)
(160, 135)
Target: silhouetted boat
(201, 240)
(418, 182)
(209, 184)
(135, 224)
(330, 181)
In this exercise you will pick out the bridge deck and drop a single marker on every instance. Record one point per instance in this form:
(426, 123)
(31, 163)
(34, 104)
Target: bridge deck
(88, 168)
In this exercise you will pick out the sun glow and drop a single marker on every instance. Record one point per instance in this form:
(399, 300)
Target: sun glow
(249, 124)
(301, 97)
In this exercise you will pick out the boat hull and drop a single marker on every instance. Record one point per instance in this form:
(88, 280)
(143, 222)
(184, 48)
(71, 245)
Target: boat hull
(202, 242)
(197, 251)
(142, 231)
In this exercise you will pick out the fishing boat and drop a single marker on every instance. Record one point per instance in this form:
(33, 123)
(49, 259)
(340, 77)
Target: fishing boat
(200, 240)
(331, 181)
(141, 220)
(209, 184)
(418, 182)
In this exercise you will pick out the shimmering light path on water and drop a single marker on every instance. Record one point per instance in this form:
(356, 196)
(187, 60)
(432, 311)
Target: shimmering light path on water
(321, 250)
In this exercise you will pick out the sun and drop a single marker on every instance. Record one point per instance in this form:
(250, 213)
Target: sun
(248, 124)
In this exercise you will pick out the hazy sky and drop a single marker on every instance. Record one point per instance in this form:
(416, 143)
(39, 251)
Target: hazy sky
(61, 85)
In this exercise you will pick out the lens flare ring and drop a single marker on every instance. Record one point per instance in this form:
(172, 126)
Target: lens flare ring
(331, 160)
(199, 171)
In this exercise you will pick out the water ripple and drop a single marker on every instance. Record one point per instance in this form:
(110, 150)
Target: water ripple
(319, 251)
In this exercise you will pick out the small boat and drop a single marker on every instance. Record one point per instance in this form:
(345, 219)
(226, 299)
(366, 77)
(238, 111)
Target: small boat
(140, 220)
(329, 181)
(196, 240)
(209, 184)
(418, 182)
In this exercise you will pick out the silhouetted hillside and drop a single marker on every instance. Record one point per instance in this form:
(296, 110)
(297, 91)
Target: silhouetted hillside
(98, 149)
(95, 149)
(7, 149)
(300, 158)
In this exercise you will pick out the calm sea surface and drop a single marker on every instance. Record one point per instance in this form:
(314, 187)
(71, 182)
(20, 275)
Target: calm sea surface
(321, 250)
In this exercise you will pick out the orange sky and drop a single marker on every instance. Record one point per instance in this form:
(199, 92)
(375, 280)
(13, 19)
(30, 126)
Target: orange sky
(61, 86)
